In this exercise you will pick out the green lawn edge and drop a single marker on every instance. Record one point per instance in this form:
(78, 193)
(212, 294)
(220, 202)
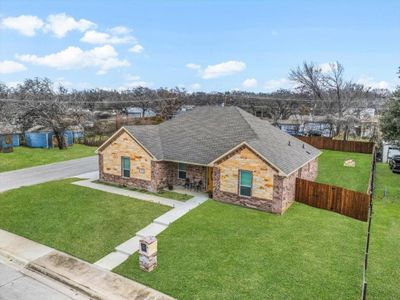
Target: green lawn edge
(25, 157)
(80, 221)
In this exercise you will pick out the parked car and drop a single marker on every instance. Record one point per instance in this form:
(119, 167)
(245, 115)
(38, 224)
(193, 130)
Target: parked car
(314, 133)
(394, 163)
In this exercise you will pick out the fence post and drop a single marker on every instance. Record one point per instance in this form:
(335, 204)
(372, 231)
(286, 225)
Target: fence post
(371, 189)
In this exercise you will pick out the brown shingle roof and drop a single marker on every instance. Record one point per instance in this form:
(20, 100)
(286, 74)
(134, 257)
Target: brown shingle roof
(206, 133)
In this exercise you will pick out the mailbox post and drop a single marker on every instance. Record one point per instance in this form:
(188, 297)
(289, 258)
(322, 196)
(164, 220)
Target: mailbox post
(148, 253)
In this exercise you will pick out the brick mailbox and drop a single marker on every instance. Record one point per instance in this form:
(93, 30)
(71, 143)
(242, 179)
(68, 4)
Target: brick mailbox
(148, 253)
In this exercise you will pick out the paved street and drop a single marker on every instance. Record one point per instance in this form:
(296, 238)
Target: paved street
(29, 176)
(14, 285)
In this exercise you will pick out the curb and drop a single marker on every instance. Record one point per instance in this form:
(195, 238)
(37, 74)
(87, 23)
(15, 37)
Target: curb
(66, 281)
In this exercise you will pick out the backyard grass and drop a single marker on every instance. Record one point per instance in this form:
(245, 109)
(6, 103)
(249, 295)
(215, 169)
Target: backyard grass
(222, 251)
(24, 157)
(165, 194)
(83, 222)
(383, 273)
(332, 171)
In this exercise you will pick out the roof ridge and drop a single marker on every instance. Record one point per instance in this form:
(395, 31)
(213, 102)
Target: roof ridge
(160, 140)
(241, 111)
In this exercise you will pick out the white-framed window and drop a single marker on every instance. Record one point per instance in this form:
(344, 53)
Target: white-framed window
(181, 171)
(125, 166)
(245, 183)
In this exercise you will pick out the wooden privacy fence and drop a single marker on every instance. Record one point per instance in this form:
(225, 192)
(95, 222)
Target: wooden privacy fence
(343, 201)
(322, 142)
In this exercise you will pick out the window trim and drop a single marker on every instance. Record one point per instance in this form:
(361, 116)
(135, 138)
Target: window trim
(123, 168)
(179, 170)
(240, 184)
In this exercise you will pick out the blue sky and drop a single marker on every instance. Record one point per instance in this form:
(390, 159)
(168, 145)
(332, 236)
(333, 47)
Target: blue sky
(199, 45)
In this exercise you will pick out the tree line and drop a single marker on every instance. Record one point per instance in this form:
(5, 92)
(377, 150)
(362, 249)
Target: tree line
(317, 92)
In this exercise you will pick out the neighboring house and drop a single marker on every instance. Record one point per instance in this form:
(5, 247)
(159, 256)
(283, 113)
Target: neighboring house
(306, 125)
(239, 158)
(137, 112)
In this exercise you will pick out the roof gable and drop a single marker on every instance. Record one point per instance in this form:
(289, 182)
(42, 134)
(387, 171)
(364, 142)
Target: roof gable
(116, 135)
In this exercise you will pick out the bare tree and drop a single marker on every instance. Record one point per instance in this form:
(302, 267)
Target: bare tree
(335, 97)
(54, 110)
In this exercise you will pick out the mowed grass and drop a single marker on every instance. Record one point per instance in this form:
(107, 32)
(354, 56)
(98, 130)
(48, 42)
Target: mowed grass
(83, 222)
(383, 275)
(222, 251)
(332, 171)
(24, 157)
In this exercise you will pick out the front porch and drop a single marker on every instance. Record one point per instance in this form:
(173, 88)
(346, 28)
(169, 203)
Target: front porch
(182, 176)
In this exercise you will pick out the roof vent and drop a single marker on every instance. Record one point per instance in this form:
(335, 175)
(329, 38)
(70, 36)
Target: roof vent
(303, 146)
(289, 143)
(308, 152)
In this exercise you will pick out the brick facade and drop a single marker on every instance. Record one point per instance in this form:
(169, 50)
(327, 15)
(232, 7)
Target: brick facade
(284, 189)
(163, 173)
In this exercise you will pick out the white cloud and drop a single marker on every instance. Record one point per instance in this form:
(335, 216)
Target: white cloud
(96, 37)
(120, 30)
(26, 25)
(327, 67)
(276, 84)
(9, 66)
(61, 24)
(13, 84)
(137, 48)
(371, 83)
(134, 81)
(195, 86)
(193, 66)
(249, 83)
(223, 69)
(130, 77)
(104, 58)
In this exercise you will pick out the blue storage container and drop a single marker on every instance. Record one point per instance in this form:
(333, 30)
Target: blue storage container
(15, 140)
(38, 139)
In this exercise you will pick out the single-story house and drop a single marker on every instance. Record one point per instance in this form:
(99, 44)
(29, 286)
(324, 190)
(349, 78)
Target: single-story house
(138, 112)
(236, 156)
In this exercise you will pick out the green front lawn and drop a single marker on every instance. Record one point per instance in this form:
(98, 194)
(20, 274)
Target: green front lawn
(222, 251)
(384, 257)
(24, 157)
(83, 222)
(332, 171)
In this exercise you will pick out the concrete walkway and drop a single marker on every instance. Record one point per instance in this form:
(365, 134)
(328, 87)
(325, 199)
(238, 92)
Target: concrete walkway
(30, 176)
(126, 249)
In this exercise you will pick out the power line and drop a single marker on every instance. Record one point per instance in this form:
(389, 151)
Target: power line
(90, 102)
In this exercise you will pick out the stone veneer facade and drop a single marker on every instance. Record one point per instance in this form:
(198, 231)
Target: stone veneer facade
(271, 192)
(163, 173)
(283, 188)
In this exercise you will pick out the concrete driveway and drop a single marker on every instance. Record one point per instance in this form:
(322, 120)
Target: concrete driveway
(30, 176)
